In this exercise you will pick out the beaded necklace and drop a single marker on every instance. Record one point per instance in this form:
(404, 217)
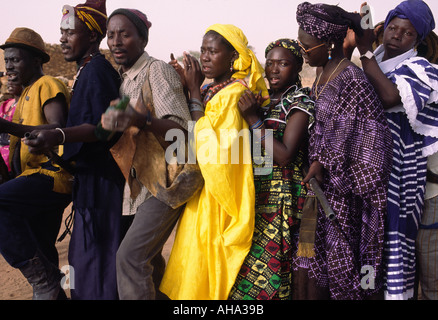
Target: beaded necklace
(208, 92)
(85, 62)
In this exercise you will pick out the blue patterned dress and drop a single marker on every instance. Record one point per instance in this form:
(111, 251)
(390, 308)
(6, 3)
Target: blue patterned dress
(415, 134)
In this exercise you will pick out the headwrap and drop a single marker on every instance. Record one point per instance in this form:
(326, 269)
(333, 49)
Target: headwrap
(92, 13)
(138, 18)
(288, 44)
(418, 13)
(247, 63)
(326, 22)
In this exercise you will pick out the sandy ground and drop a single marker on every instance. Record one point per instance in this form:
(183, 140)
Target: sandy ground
(13, 286)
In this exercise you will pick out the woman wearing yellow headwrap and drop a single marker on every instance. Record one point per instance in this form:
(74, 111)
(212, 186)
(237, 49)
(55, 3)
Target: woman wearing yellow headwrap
(215, 232)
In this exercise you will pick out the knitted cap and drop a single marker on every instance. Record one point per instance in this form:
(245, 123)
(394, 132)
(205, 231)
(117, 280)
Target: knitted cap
(138, 18)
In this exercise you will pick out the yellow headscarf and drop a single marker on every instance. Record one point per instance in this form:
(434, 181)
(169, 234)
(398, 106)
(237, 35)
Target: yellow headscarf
(247, 64)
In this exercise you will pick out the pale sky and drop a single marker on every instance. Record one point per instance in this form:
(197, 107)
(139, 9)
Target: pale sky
(178, 25)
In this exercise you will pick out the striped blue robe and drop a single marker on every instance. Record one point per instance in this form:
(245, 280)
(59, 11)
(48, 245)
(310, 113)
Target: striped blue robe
(415, 135)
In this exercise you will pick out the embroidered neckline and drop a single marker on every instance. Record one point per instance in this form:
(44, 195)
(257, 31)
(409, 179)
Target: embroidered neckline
(87, 60)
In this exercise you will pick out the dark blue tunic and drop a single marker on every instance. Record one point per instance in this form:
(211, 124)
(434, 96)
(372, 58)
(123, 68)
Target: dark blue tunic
(98, 188)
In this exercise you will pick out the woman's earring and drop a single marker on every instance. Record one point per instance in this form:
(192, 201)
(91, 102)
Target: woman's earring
(330, 51)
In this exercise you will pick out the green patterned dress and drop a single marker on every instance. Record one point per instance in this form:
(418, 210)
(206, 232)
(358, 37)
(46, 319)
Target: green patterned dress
(266, 273)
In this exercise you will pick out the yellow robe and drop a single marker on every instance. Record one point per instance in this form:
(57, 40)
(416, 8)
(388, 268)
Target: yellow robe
(215, 232)
(30, 112)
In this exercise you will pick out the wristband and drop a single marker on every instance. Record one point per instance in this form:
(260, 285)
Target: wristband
(196, 107)
(63, 135)
(369, 55)
(196, 101)
(257, 125)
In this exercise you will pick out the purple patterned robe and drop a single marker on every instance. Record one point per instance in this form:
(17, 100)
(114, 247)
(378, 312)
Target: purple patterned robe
(352, 140)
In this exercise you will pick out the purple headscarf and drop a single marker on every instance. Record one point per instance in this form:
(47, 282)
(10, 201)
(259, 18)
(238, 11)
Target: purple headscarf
(418, 13)
(326, 22)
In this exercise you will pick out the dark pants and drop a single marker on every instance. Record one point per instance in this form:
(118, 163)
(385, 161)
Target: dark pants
(30, 218)
(96, 235)
(140, 264)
